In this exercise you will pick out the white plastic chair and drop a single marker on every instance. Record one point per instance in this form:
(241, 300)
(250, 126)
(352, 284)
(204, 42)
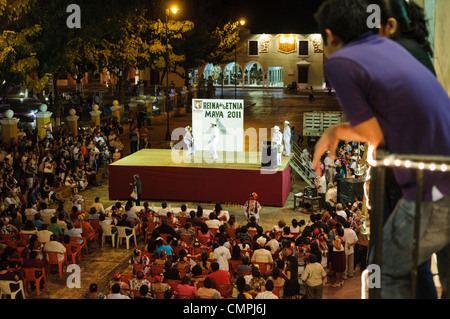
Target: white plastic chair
(121, 230)
(107, 232)
(6, 289)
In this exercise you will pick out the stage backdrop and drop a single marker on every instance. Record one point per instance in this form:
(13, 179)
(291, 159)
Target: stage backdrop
(229, 115)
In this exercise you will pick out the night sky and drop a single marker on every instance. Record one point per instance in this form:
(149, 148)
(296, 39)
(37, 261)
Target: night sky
(278, 16)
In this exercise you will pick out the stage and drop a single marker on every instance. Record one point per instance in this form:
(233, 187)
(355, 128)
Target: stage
(173, 176)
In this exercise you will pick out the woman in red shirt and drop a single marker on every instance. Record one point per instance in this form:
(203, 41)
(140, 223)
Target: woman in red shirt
(185, 288)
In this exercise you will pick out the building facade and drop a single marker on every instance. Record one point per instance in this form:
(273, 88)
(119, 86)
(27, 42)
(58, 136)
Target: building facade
(271, 61)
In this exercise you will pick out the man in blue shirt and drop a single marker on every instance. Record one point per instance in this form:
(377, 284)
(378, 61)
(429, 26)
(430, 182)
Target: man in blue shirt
(161, 246)
(390, 100)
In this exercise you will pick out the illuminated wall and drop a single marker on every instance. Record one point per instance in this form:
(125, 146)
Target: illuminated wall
(277, 50)
(442, 43)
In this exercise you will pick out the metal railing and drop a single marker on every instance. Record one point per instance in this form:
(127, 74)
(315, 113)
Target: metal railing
(302, 165)
(381, 161)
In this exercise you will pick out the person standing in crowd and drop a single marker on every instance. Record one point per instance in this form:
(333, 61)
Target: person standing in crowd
(330, 169)
(311, 94)
(252, 208)
(351, 240)
(134, 140)
(214, 140)
(361, 67)
(361, 248)
(331, 195)
(287, 140)
(313, 276)
(222, 255)
(137, 187)
(320, 182)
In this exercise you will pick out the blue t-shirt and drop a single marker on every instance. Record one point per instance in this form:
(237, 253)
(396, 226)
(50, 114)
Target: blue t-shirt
(168, 249)
(377, 77)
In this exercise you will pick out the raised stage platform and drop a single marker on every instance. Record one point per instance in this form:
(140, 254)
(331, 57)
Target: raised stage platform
(171, 175)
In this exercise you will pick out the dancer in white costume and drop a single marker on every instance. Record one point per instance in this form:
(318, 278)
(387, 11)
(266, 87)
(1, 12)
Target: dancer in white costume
(287, 139)
(214, 140)
(189, 140)
(277, 140)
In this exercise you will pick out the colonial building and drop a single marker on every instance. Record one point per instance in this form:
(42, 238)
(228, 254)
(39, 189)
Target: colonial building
(272, 60)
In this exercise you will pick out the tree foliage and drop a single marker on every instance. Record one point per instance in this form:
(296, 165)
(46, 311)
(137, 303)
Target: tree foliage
(18, 47)
(118, 35)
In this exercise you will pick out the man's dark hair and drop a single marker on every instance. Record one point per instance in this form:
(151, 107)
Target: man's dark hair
(94, 287)
(214, 266)
(115, 289)
(347, 19)
(269, 285)
(143, 290)
(410, 18)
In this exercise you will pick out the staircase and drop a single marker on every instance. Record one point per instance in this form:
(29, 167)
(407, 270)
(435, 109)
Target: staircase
(302, 165)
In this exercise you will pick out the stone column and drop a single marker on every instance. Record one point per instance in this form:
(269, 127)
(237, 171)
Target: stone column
(115, 110)
(72, 121)
(194, 91)
(95, 115)
(42, 119)
(9, 127)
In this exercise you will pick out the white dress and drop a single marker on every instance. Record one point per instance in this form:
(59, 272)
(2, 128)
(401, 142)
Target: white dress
(213, 142)
(287, 141)
(277, 140)
(189, 140)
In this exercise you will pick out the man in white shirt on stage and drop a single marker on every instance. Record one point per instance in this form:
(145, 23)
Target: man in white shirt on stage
(287, 139)
(214, 140)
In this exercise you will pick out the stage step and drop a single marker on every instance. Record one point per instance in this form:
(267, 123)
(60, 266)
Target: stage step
(302, 165)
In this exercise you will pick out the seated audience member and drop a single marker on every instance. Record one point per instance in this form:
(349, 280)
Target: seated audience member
(115, 293)
(207, 291)
(186, 288)
(267, 293)
(93, 293)
(219, 276)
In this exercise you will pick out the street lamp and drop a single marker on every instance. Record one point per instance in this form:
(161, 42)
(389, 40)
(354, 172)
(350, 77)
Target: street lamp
(241, 22)
(174, 10)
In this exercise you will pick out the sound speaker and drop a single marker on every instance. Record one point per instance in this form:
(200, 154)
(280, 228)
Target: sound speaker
(268, 156)
(310, 191)
(349, 188)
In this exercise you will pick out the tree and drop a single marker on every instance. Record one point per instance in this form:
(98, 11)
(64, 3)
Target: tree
(18, 60)
(137, 41)
(213, 40)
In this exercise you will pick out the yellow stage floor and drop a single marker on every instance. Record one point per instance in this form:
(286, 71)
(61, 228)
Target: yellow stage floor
(179, 158)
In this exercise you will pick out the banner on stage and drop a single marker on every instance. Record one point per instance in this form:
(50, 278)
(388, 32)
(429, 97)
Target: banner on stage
(229, 116)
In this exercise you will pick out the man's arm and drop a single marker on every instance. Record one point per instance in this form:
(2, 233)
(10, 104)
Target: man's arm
(368, 131)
